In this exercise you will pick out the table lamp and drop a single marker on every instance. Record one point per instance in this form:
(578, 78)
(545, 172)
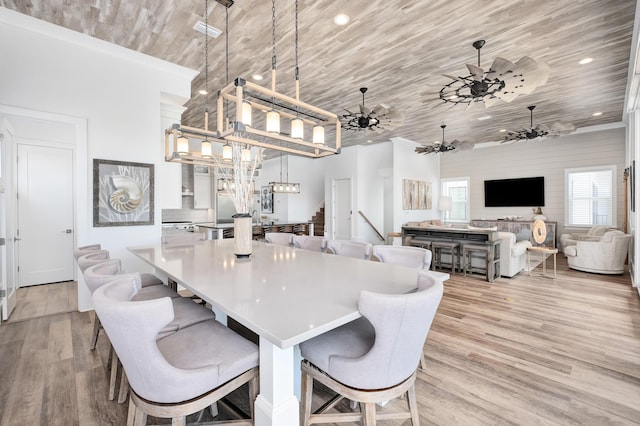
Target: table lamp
(444, 205)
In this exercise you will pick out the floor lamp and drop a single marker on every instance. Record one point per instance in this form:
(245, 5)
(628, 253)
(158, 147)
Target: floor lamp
(444, 205)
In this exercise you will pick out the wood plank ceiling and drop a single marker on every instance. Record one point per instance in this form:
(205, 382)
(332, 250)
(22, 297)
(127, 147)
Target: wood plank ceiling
(398, 49)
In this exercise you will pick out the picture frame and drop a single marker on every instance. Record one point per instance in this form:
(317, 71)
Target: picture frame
(266, 200)
(416, 195)
(123, 193)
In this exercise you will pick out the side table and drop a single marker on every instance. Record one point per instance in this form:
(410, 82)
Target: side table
(543, 253)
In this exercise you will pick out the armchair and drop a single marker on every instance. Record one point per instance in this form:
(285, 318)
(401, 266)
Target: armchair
(606, 256)
(593, 234)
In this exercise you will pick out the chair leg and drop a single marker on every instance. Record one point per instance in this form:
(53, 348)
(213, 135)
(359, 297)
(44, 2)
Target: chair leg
(140, 418)
(423, 363)
(94, 334)
(114, 376)
(110, 358)
(179, 421)
(307, 394)
(254, 389)
(124, 388)
(369, 415)
(413, 405)
(131, 413)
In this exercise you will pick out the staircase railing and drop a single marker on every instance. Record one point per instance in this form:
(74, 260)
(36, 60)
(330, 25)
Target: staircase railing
(366, 219)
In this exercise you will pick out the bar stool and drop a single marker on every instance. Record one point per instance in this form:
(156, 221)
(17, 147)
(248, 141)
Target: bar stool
(491, 267)
(448, 247)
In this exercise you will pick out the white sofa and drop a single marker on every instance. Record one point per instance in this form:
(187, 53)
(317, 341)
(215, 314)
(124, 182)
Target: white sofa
(606, 256)
(513, 254)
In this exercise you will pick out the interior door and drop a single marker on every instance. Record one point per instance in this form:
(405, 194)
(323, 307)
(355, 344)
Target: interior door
(342, 209)
(45, 215)
(7, 283)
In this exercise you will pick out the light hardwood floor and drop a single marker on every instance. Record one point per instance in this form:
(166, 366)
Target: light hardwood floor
(517, 351)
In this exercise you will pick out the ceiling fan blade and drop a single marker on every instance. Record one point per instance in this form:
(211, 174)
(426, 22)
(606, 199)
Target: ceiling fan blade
(499, 68)
(451, 77)
(535, 78)
(506, 95)
(476, 72)
(379, 110)
(490, 101)
(562, 128)
(364, 110)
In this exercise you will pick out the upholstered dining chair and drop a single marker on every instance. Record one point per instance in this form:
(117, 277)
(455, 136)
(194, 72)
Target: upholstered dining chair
(413, 257)
(186, 312)
(279, 238)
(310, 242)
(92, 258)
(182, 373)
(349, 248)
(374, 358)
(81, 251)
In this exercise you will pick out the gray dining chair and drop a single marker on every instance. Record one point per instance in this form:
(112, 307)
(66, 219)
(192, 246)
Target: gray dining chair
(374, 358)
(348, 248)
(279, 238)
(310, 242)
(182, 373)
(413, 257)
(81, 251)
(186, 312)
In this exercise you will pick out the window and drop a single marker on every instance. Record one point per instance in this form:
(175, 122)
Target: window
(458, 190)
(590, 196)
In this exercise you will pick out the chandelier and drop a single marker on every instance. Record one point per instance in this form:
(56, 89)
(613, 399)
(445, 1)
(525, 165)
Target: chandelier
(504, 80)
(444, 146)
(237, 122)
(540, 130)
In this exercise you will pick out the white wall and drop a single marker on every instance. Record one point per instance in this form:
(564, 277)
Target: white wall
(118, 92)
(407, 164)
(301, 207)
(547, 157)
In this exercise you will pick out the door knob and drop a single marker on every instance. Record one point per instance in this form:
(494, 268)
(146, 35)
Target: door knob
(16, 239)
(67, 231)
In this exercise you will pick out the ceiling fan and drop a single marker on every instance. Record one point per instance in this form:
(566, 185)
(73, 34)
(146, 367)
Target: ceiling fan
(540, 130)
(379, 118)
(444, 146)
(504, 80)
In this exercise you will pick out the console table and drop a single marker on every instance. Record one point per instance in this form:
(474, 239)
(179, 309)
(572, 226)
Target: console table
(522, 229)
(413, 236)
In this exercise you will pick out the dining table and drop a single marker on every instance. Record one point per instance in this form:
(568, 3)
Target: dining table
(283, 294)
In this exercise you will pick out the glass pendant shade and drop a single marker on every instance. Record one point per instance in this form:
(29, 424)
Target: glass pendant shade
(205, 149)
(246, 113)
(297, 128)
(182, 145)
(227, 153)
(273, 121)
(318, 135)
(246, 154)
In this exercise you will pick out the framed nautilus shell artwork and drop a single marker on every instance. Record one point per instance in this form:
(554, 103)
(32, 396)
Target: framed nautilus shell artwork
(122, 193)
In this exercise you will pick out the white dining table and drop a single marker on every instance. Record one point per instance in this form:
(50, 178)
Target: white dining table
(283, 294)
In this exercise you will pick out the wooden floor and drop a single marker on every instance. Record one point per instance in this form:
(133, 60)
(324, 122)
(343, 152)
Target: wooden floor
(40, 300)
(518, 351)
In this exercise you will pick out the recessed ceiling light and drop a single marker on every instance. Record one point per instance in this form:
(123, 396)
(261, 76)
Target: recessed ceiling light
(341, 19)
(202, 92)
(484, 117)
(257, 77)
(369, 141)
(595, 114)
(585, 61)
(503, 130)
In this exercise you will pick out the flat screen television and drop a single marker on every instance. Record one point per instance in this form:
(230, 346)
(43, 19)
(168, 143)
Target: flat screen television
(520, 192)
